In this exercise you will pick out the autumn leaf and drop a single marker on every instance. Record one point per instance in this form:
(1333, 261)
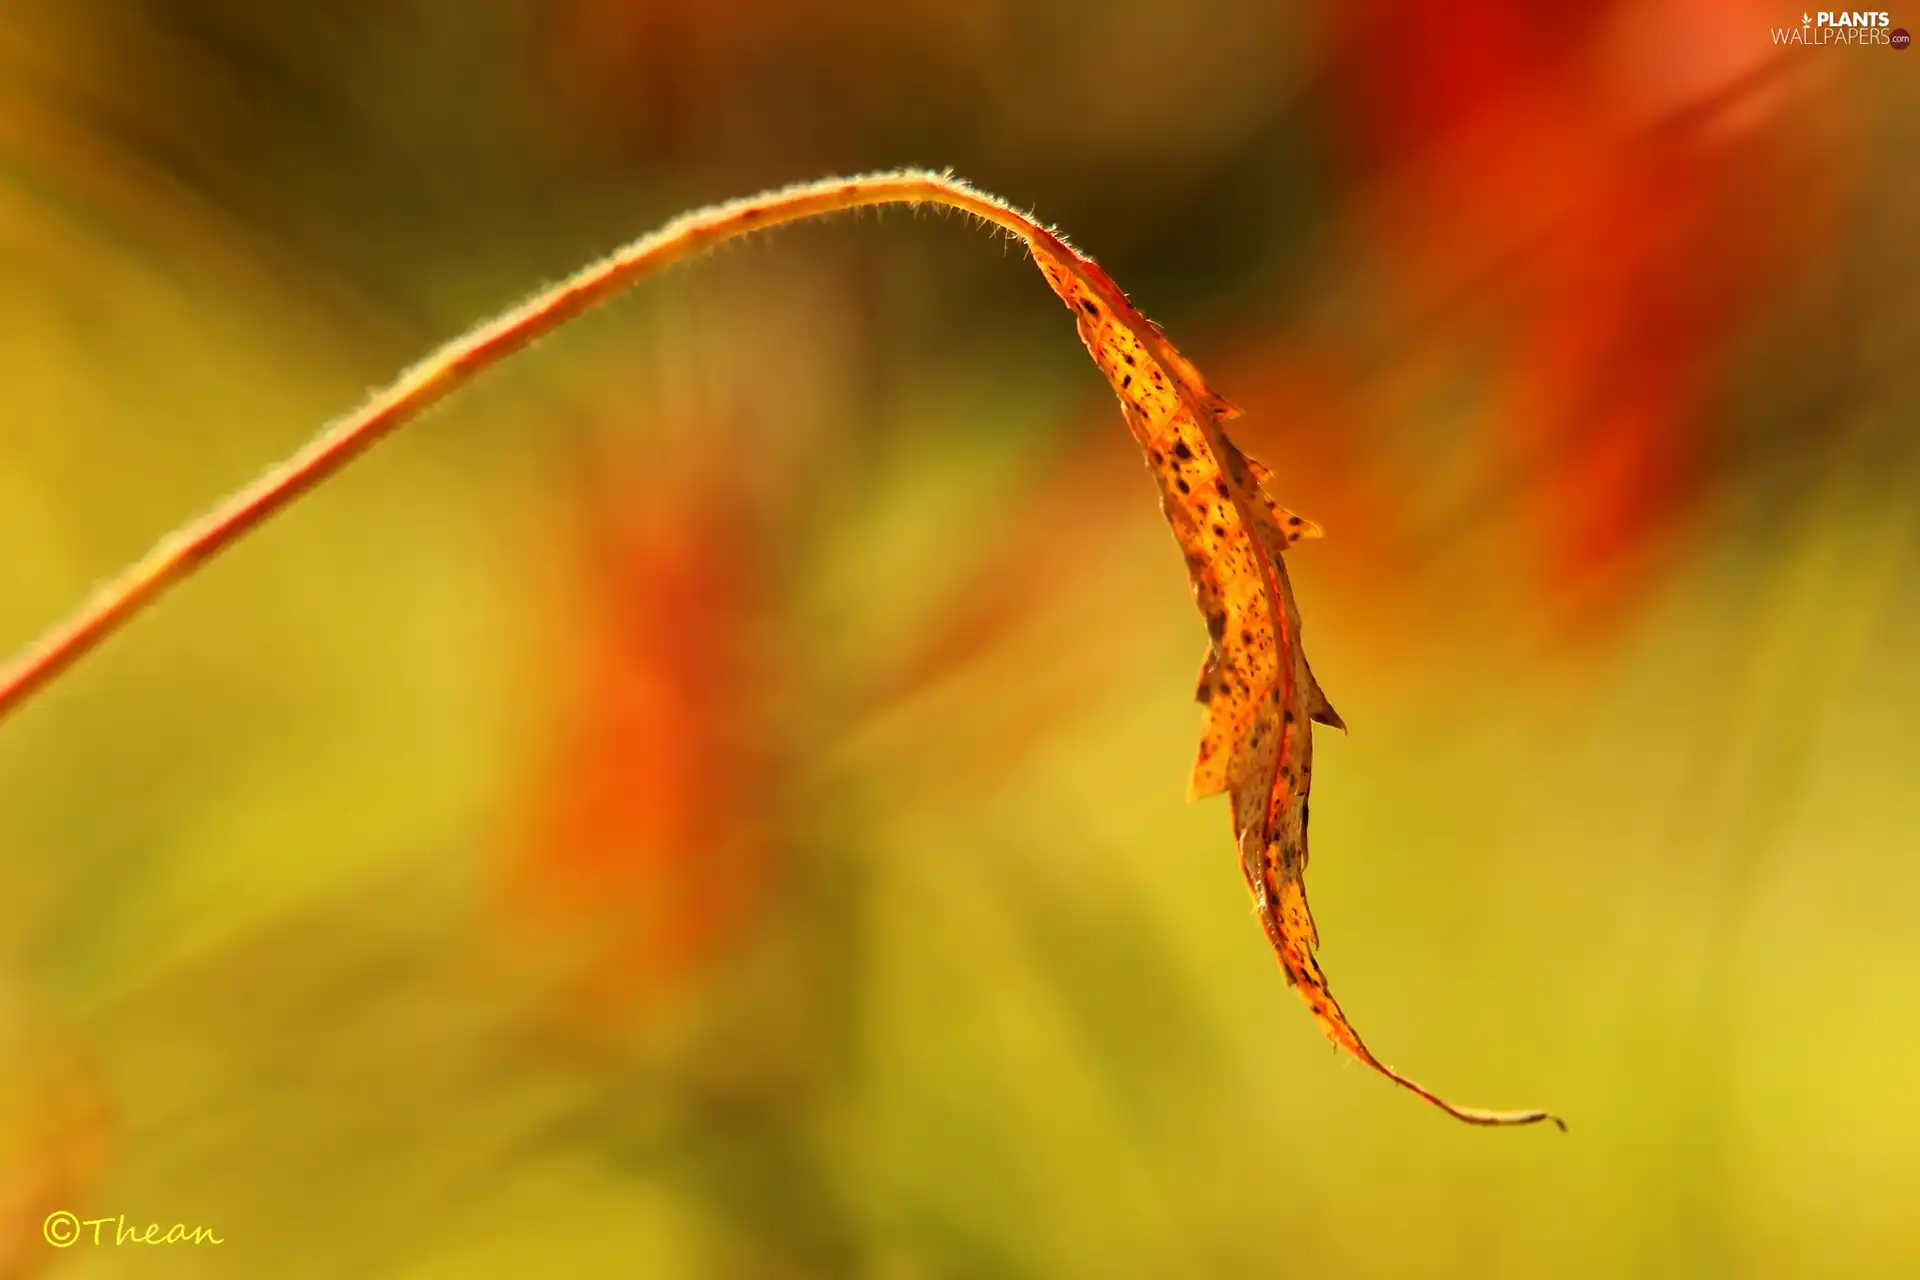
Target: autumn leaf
(1261, 699)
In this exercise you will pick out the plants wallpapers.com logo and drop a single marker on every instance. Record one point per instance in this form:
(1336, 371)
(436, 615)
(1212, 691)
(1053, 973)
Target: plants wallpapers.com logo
(1846, 27)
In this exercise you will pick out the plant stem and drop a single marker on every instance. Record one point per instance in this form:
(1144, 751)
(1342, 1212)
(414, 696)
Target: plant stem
(176, 556)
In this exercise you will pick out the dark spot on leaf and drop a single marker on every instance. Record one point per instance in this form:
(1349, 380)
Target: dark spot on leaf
(1181, 451)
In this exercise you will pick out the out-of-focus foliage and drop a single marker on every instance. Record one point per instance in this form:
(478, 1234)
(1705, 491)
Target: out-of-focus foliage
(708, 800)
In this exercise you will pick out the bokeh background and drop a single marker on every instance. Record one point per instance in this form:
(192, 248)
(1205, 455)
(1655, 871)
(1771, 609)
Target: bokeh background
(708, 800)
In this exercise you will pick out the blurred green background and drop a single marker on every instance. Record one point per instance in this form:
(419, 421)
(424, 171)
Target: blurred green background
(707, 801)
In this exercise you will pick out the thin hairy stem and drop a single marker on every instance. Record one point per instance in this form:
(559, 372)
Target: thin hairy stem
(176, 556)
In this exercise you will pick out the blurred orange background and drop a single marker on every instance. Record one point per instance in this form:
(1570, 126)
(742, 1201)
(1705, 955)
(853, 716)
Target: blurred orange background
(707, 801)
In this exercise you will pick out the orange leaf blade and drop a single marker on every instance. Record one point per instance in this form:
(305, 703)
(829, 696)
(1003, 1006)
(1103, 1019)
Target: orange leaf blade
(1260, 696)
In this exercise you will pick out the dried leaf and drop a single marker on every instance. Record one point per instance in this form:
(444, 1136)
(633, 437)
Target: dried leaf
(1260, 696)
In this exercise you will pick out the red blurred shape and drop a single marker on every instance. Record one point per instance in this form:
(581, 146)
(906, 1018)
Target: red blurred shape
(1613, 190)
(650, 843)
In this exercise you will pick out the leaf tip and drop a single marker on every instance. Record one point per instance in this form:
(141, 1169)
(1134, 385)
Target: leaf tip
(1508, 1119)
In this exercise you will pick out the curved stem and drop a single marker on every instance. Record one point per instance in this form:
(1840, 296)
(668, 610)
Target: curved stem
(176, 556)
